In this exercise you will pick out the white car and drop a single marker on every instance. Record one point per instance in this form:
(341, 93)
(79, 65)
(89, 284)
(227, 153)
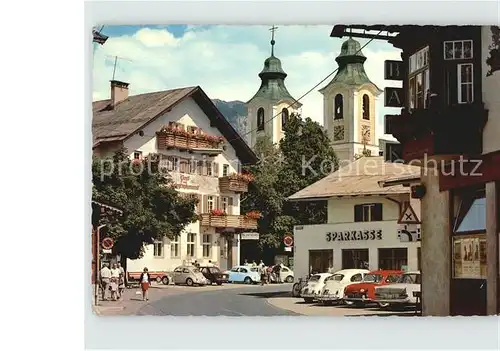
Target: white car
(401, 294)
(314, 286)
(286, 275)
(333, 291)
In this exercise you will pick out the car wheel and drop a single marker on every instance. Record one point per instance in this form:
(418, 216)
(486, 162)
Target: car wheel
(165, 280)
(189, 282)
(359, 304)
(348, 303)
(383, 304)
(289, 279)
(247, 280)
(158, 280)
(219, 283)
(209, 282)
(296, 290)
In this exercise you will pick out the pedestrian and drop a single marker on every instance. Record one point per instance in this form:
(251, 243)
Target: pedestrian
(105, 275)
(263, 275)
(254, 264)
(114, 280)
(121, 285)
(276, 271)
(122, 270)
(245, 263)
(261, 264)
(145, 280)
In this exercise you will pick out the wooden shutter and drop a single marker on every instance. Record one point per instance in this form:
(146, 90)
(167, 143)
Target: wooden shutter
(358, 213)
(216, 169)
(377, 214)
(230, 205)
(199, 167)
(204, 209)
(170, 163)
(217, 202)
(199, 203)
(204, 170)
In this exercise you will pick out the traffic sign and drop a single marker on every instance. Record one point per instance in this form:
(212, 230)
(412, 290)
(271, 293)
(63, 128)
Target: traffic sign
(408, 216)
(288, 240)
(107, 243)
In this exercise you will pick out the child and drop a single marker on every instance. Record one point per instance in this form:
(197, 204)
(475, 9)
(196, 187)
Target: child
(121, 286)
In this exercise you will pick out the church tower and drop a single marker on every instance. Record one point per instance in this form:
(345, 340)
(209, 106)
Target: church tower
(271, 106)
(349, 105)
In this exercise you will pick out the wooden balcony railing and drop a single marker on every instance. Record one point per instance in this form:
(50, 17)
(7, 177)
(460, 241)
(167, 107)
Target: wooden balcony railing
(233, 184)
(228, 221)
(170, 139)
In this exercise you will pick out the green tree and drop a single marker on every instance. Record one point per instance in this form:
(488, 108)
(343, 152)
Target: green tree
(304, 156)
(152, 207)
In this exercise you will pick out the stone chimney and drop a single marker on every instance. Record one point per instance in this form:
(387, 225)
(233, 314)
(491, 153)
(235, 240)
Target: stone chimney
(119, 92)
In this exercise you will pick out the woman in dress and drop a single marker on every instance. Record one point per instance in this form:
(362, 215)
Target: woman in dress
(145, 280)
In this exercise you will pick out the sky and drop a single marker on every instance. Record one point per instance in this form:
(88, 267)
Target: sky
(225, 61)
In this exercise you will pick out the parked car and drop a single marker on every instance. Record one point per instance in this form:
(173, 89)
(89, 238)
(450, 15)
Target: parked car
(213, 274)
(314, 286)
(400, 294)
(243, 274)
(333, 290)
(159, 276)
(286, 274)
(189, 275)
(363, 293)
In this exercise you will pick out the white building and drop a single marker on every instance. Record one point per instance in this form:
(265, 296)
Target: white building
(349, 105)
(362, 225)
(200, 150)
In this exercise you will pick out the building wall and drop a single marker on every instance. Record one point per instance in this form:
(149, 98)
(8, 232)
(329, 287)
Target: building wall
(491, 94)
(313, 237)
(189, 114)
(341, 210)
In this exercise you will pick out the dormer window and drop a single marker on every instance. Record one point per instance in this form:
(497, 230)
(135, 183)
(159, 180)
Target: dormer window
(260, 119)
(339, 106)
(419, 81)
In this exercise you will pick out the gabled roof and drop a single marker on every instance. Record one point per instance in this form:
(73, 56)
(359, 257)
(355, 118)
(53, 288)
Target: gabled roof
(137, 111)
(360, 177)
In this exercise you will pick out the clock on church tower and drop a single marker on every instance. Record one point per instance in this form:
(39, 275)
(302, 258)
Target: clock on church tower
(349, 102)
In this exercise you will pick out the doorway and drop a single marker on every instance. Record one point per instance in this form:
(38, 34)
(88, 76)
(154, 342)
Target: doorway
(320, 261)
(355, 258)
(393, 258)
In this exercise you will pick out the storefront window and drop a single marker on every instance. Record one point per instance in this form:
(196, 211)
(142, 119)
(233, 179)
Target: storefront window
(357, 258)
(419, 82)
(320, 261)
(393, 258)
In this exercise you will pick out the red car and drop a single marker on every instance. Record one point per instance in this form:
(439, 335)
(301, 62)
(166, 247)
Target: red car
(363, 293)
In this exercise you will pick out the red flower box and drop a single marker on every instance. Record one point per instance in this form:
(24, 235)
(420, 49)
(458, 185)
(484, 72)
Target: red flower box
(254, 215)
(217, 212)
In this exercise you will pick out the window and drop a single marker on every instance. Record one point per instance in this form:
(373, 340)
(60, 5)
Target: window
(225, 204)
(393, 258)
(465, 87)
(210, 203)
(393, 278)
(284, 117)
(458, 50)
(372, 278)
(354, 258)
(207, 245)
(225, 170)
(336, 277)
(419, 80)
(191, 244)
(137, 155)
(209, 168)
(174, 247)
(192, 166)
(199, 166)
(366, 106)
(175, 164)
(260, 119)
(357, 277)
(242, 270)
(320, 261)
(158, 248)
(339, 107)
(368, 213)
(235, 269)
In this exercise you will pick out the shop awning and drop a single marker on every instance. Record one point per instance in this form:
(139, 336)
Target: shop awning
(107, 207)
(474, 219)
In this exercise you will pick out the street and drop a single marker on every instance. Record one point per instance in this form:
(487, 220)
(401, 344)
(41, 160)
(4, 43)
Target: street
(228, 300)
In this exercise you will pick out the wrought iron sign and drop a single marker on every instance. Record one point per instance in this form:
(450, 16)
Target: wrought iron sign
(354, 235)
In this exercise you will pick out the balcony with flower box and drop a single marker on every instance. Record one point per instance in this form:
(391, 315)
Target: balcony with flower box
(236, 182)
(170, 137)
(219, 219)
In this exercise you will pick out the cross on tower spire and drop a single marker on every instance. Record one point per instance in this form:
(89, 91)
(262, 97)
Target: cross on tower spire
(272, 29)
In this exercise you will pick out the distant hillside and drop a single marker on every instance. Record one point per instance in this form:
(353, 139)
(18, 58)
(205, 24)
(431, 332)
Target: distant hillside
(235, 112)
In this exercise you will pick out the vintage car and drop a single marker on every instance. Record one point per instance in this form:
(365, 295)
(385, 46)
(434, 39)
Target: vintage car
(286, 274)
(401, 294)
(363, 293)
(189, 275)
(314, 286)
(333, 291)
(243, 274)
(214, 275)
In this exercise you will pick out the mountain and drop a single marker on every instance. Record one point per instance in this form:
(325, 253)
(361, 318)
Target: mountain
(235, 112)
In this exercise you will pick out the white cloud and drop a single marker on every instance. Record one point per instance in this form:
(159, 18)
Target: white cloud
(225, 62)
